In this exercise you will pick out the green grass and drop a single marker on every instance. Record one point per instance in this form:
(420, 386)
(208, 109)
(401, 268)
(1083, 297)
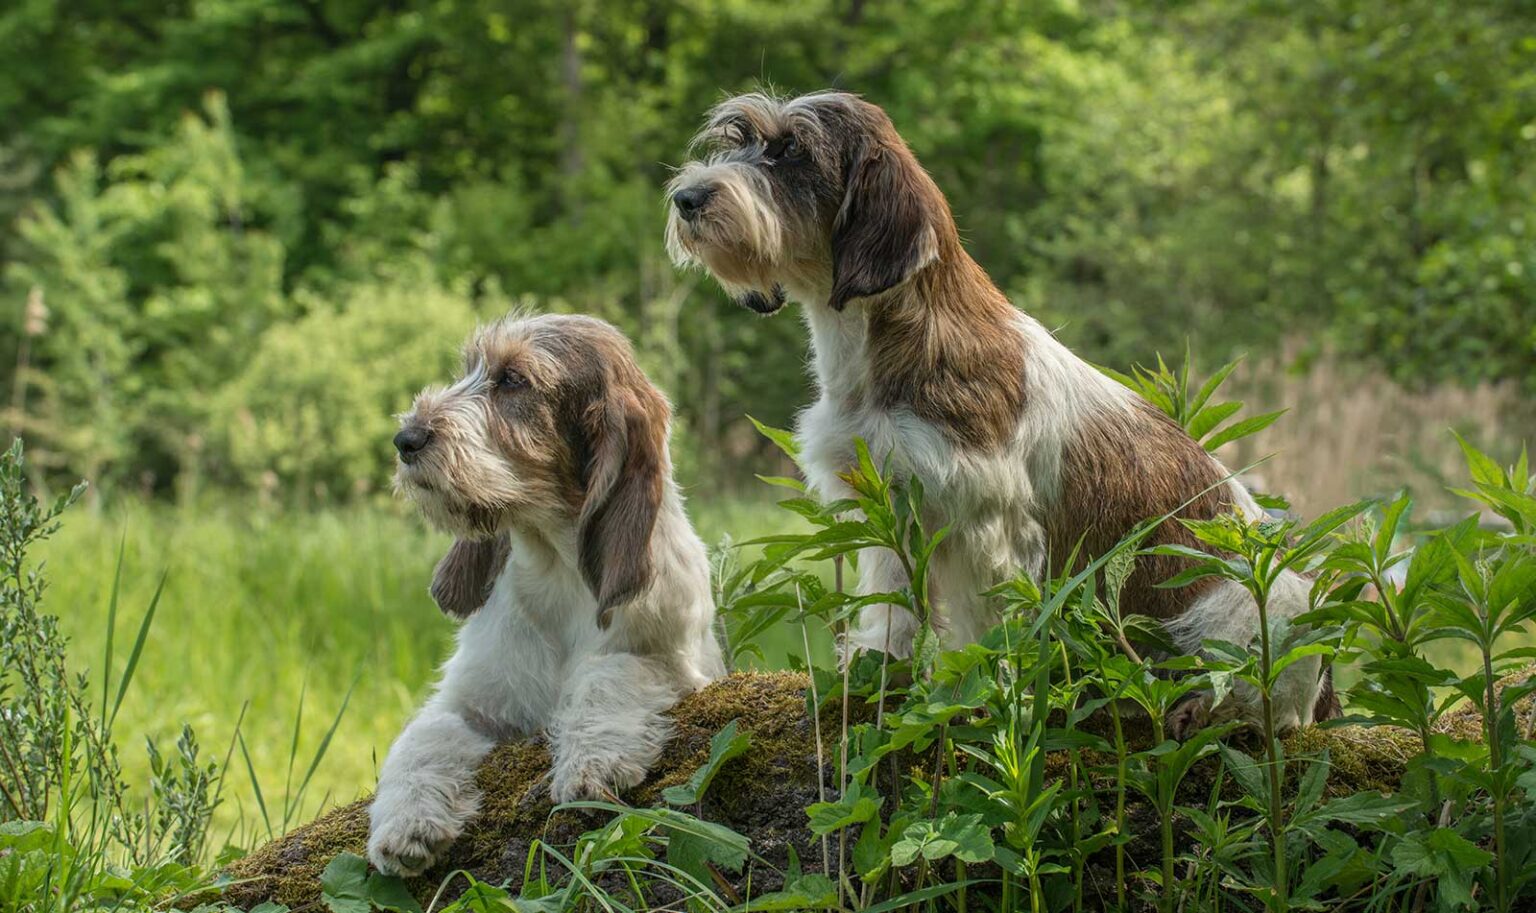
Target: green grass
(284, 610)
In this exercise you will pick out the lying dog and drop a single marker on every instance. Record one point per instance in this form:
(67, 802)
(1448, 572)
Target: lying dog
(1024, 450)
(548, 460)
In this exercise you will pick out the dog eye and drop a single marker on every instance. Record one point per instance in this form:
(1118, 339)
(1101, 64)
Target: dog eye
(511, 380)
(785, 148)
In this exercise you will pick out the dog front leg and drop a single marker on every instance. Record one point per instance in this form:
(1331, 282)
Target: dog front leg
(500, 683)
(884, 627)
(1229, 614)
(610, 726)
(426, 790)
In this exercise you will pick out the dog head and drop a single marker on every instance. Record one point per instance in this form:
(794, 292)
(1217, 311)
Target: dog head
(817, 193)
(551, 426)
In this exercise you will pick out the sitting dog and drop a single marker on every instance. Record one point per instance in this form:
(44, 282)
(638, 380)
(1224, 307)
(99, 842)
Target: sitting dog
(548, 461)
(1023, 449)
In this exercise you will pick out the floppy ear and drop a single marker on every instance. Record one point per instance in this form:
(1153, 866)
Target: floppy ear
(625, 479)
(463, 579)
(886, 228)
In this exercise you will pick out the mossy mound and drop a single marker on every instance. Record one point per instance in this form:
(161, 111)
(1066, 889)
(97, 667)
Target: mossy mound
(761, 794)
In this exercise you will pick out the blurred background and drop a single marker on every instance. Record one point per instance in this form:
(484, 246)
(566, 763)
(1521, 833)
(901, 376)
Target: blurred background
(237, 235)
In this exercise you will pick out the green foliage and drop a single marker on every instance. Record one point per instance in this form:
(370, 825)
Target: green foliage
(180, 183)
(980, 783)
(71, 834)
(318, 395)
(725, 745)
(1168, 390)
(972, 727)
(347, 886)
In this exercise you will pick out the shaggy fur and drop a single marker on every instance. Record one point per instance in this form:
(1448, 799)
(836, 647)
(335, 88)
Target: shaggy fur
(1023, 449)
(548, 460)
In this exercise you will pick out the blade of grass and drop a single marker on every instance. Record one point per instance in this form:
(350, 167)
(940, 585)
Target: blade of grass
(106, 661)
(293, 747)
(218, 790)
(261, 802)
(320, 751)
(138, 648)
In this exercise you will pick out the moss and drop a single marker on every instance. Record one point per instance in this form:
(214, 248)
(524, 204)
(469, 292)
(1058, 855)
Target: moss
(761, 794)
(1360, 758)
(1466, 724)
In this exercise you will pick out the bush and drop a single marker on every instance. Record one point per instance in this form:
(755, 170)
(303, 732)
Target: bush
(314, 410)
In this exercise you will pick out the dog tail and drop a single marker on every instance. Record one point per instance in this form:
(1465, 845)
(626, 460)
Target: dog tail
(1328, 706)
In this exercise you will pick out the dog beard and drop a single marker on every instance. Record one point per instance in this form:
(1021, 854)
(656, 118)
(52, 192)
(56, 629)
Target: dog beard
(444, 508)
(762, 303)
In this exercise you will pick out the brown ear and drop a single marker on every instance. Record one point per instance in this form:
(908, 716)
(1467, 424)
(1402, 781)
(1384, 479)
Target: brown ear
(463, 579)
(886, 228)
(625, 479)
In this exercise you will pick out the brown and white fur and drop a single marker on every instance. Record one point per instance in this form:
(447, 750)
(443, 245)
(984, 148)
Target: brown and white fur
(548, 460)
(1023, 448)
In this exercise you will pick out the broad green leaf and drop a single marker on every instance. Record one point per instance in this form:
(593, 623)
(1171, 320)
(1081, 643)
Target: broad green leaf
(344, 884)
(723, 746)
(1364, 809)
(389, 893)
(858, 805)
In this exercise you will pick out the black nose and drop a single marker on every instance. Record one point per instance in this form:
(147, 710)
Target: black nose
(410, 441)
(690, 200)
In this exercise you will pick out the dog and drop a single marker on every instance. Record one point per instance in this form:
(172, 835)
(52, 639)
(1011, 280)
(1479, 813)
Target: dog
(1023, 449)
(547, 460)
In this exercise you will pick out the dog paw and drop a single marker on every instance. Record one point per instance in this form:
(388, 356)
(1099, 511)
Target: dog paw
(1189, 717)
(592, 779)
(405, 839)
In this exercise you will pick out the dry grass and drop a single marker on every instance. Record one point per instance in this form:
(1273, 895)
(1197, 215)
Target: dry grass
(1351, 432)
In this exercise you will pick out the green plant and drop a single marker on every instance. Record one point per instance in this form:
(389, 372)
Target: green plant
(1168, 389)
(71, 834)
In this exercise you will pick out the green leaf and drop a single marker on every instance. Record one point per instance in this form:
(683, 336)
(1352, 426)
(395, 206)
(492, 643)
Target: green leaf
(911, 898)
(1245, 770)
(1313, 783)
(1206, 420)
(1239, 430)
(1446, 856)
(723, 845)
(805, 892)
(1363, 809)
(784, 440)
(1482, 468)
(972, 839)
(961, 836)
(18, 837)
(138, 649)
(694, 854)
(344, 884)
(1208, 389)
(725, 745)
(872, 850)
(783, 482)
(858, 805)
(387, 892)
